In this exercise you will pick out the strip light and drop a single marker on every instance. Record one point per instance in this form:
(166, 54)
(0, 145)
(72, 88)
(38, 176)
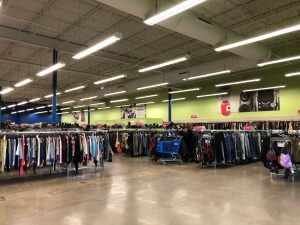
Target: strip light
(147, 96)
(115, 93)
(86, 110)
(41, 107)
(104, 108)
(6, 90)
(75, 111)
(238, 82)
(208, 75)
(35, 100)
(23, 82)
(119, 100)
(292, 74)
(21, 111)
(109, 41)
(50, 69)
(293, 58)
(175, 99)
(171, 62)
(259, 38)
(186, 90)
(95, 104)
(211, 95)
(41, 112)
(51, 105)
(31, 109)
(152, 86)
(49, 96)
(75, 89)
(88, 98)
(61, 113)
(14, 112)
(65, 108)
(68, 102)
(265, 88)
(110, 79)
(145, 103)
(11, 106)
(22, 103)
(78, 106)
(120, 106)
(3, 108)
(176, 9)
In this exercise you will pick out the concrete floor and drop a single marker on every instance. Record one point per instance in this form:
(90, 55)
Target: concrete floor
(136, 191)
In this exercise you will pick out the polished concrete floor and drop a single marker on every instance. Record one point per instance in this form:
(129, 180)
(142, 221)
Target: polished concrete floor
(137, 191)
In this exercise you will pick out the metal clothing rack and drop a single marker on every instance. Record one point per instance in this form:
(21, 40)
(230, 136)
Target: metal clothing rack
(53, 132)
(213, 132)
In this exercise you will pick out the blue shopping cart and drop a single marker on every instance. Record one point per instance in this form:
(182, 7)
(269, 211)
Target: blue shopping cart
(169, 150)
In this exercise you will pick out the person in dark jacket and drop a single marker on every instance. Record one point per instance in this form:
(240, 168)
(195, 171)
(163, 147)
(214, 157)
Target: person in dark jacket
(188, 144)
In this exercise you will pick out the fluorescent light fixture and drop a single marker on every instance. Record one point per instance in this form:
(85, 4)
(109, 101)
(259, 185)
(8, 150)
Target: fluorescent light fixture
(75, 111)
(109, 41)
(259, 38)
(99, 103)
(171, 62)
(115, 93)
(293, 58)
(11, 106)
(51, 105)
(145, 103)
(14, 112)
(3, 108)
(21, 111)
(146, 96)
(22, 103)
(265, 88)
(186, 90)
(75, 89)
(238, 82)
(41, 112)
(35, 100)
(86, 110)
(120, 106)
(50, 69)
(174, 10)
(67, 108)
(68, 102)
(41, 107)
(175, 99)
(208, 75)
(152, 86)
(211, 95)
(110, 79)
(104, 108)
(23, 82)
(31, 109)
(49, 96)
(6, 90)
(78, 106)
(119, 100)
(61, 113)
(292, 74)
(88, 98)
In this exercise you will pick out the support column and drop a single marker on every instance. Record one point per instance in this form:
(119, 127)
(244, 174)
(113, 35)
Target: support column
(89, 116)
(169, 106)
(54, 89)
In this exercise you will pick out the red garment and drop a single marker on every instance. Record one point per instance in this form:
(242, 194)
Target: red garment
(21, 169)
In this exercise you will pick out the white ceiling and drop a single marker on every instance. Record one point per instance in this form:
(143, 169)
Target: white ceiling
(29, 29)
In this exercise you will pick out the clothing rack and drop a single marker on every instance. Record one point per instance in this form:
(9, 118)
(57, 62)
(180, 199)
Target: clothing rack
(63, 166)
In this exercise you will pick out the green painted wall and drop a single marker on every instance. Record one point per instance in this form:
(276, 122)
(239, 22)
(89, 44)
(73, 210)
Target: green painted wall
(206, 108)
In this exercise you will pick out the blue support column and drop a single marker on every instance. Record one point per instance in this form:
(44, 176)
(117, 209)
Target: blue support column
(54, 89)
(89, 116)
(169, 106)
